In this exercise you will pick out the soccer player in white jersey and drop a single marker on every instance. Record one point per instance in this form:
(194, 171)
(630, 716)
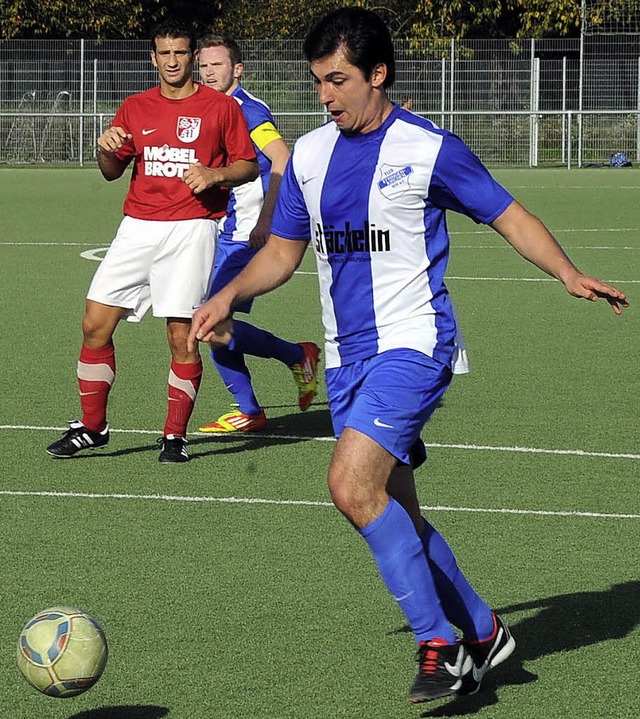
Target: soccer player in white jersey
(188, 144)
(370, 191)
(243, 231)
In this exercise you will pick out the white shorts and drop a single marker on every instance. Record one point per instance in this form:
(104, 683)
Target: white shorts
(164, 265)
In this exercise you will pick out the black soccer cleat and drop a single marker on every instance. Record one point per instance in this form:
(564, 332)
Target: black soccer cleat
(173, 449)
(440, 670)
(487, 654)
(77, 438)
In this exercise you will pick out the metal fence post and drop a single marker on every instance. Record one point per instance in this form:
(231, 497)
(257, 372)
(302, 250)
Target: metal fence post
(638, 116)
(95, 105)
(451, 95)
(81, 123)
(564, 108)
(569, 123)
(443, 89)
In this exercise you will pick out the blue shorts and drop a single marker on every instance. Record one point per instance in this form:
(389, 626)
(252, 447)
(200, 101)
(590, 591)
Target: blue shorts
(231, 259)
(388, 397)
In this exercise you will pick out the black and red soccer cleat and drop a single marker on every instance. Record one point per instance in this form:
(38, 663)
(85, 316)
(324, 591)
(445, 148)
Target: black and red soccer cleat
(440, 670)
(486, 655)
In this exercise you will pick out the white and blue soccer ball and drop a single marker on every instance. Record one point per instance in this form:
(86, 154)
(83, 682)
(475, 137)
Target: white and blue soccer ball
(62, 651)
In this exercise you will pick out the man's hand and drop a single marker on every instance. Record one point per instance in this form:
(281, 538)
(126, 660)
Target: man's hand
(211, 323)
(199, 178)
(260, 234)
(113, 139)
(592, 289)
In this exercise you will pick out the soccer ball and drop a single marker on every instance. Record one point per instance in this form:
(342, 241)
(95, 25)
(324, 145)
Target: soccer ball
(62, 651)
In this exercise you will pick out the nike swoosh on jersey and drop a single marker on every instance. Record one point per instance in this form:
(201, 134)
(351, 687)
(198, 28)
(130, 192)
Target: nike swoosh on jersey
(148, 132)
(379, 423)
(85, 394)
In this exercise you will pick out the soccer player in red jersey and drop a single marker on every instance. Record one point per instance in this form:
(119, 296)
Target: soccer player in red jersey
(188, 144)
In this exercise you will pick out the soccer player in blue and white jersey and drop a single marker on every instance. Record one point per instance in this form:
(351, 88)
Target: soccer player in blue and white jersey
(243, 232)
(370, 191)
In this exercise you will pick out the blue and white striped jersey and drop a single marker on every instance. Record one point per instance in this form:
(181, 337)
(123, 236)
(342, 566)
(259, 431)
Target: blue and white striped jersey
(374, 207)
(245, 201)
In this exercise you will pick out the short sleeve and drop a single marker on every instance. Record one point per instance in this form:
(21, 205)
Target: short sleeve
(460, 182)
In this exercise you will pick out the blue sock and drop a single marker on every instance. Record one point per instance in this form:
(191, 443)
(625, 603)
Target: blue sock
(236, 377)
(461, 604)
(250, 340)
(404, 569)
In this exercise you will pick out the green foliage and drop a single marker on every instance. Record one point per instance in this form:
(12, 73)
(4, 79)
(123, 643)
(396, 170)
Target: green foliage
(416, 20)
(99, 19)
(69, 18)
(421, 20)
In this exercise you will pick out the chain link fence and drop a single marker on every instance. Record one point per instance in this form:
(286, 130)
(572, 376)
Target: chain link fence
(515, 102)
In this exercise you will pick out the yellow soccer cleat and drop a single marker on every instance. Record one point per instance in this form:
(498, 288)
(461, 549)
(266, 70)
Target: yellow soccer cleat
(305, 374)
(236, 421)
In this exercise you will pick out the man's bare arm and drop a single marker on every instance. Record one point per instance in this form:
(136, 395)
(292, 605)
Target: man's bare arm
(278, 152)
(530, 238)
(270, 268)
(199, 178)
(109, 143)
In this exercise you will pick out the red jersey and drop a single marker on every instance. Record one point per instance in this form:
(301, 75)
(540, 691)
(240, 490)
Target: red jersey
(168, 136)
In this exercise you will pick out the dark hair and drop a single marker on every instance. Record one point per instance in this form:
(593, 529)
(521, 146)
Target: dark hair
(172, 27)
(221, 41)
(363, 34)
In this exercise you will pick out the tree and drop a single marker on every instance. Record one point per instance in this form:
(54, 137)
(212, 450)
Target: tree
(265, 19)
(69, 18)
(425, 19)
(495, 18)
(98, 18)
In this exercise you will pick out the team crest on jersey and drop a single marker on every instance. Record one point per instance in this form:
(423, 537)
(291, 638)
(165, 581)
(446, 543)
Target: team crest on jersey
(394, 180)
(188, 129)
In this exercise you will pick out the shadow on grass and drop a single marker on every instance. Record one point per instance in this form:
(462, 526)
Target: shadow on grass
(561, 624)
(293, 428)
(124, 712)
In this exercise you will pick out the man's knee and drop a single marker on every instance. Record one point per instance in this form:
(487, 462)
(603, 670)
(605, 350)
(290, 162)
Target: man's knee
(177, 336)
(98, 324)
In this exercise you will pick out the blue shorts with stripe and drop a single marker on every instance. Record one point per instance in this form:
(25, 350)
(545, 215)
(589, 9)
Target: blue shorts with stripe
(231, 259)
(389, 398)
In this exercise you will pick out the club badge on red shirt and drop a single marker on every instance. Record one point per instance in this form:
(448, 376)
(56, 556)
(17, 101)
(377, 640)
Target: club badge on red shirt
(188, 129)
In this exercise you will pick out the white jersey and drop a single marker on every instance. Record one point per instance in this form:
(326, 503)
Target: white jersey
(374, 207)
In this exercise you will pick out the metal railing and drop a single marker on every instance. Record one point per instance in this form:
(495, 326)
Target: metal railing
(516, 138)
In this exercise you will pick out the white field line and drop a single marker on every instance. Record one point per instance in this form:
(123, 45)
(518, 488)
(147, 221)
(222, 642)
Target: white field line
(570, 187)
(432, 445)
(247, 500)
(524, 279)
(301, 503)
(555, 230)
(500, 279)
(51, 244)
(452, 233)
(93, 255)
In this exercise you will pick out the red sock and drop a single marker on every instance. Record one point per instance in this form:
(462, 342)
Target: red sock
(96, 374)
(184, 381)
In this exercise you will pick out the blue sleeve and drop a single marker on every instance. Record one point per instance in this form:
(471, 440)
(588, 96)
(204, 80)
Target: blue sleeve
(256, 114)
(291, 218)
(460, 182)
